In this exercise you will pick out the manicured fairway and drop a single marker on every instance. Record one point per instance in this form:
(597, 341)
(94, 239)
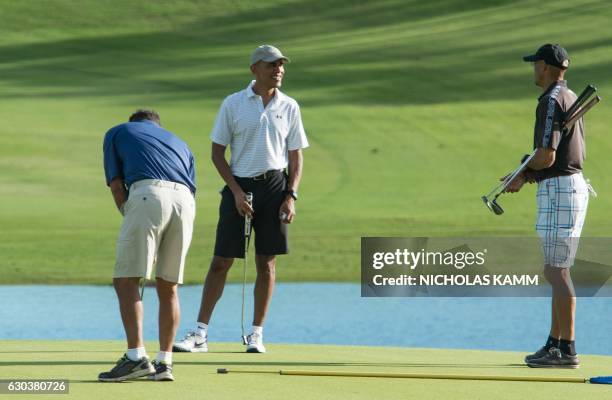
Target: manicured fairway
(413, 109)
(80, 362)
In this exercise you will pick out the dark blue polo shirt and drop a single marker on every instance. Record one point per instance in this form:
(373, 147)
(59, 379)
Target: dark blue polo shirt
(143, 150)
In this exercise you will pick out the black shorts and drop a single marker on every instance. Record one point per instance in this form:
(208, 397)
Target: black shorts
(270, 232)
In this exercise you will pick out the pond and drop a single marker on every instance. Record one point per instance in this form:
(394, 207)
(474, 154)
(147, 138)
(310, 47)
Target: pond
(319, 313)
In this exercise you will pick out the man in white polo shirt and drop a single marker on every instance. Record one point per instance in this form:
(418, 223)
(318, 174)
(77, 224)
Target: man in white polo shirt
(263, 128)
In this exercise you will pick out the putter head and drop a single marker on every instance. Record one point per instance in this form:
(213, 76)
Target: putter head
(487, 203)
(244, 340)
(492, 205)
(496, 208)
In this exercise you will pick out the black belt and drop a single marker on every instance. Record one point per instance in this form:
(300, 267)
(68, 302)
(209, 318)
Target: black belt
(264, 176)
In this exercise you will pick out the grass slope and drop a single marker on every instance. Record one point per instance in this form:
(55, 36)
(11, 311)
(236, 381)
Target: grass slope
(413, 110)
(80, 362)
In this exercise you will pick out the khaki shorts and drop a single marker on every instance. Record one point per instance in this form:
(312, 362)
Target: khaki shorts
(156, 231)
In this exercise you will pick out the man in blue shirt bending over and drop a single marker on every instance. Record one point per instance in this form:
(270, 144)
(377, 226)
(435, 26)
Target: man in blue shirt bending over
(151, 174)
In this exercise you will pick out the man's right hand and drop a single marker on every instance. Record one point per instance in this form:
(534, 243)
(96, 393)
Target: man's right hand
(242, 205)
(516, 184)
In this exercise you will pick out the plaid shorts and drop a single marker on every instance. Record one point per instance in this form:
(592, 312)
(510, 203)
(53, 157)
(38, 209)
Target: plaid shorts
(562, 207)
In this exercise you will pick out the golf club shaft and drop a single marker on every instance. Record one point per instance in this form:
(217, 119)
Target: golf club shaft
(504, 184)
(247, 239)
(244, 278)
(366, 374)
(142, 284)
(517, 172)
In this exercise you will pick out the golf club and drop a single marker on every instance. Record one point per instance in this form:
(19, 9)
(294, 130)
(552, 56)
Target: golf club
(492, 204)
(142, 283)
(580, 112)
(586, 93)
(599, 379)
(573, 115)
(247, 240)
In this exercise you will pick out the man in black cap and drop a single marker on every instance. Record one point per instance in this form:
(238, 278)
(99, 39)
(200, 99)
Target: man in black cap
(562, 199)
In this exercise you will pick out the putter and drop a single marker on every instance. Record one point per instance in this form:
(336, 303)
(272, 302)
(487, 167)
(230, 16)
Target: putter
(583, 103)
(247, 240)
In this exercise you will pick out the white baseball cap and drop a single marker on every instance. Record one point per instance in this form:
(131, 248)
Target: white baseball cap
(267, 53)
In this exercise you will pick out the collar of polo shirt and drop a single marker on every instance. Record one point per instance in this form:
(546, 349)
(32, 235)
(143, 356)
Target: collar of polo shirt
(278, 95)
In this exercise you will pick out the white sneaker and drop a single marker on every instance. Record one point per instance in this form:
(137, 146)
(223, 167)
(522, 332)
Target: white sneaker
(255, 344)
(192, 343)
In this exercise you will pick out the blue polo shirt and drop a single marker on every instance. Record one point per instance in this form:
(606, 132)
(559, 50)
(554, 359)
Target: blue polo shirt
(143, 150)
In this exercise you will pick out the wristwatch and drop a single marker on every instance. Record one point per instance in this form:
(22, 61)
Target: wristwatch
(292, 194)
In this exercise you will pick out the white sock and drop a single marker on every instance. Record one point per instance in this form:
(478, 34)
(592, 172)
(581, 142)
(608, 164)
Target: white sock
(136, 354)
(202, 329)
(258, 330)
(165, 357)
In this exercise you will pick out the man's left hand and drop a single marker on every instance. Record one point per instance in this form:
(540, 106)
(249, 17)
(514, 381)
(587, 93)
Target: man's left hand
(287, 210)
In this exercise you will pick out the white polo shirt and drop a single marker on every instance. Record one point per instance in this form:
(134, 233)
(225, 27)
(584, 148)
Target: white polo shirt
(259, 138)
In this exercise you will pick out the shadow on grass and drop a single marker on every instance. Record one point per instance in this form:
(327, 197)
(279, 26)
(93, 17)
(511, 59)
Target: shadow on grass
(345, 52)
(53, 351)
(47, 362)
(350, 364)
(275, 364)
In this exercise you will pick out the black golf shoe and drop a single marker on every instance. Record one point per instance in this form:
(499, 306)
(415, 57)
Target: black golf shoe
(554, 358)
(127, 369)
(538, 354)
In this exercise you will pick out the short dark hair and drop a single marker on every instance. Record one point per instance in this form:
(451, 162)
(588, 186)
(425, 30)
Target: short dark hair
(143, 114)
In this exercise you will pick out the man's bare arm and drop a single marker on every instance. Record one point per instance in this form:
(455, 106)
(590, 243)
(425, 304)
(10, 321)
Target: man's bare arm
(296, 162)
(119, 193)
(543, 158)
(219, 161)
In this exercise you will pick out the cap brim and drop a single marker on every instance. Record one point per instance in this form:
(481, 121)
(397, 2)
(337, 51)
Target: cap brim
(531, 58)
(272, 59)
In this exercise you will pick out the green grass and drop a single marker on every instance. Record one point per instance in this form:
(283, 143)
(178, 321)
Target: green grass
(413, 110)
(80, 362)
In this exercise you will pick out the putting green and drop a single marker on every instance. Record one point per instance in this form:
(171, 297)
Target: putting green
(81, 361)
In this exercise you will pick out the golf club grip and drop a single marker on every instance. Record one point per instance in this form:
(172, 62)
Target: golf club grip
(586, 93)
(247, 219)
(580, 113)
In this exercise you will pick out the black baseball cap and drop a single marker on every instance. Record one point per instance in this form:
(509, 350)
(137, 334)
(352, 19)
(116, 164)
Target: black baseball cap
(551, 54)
